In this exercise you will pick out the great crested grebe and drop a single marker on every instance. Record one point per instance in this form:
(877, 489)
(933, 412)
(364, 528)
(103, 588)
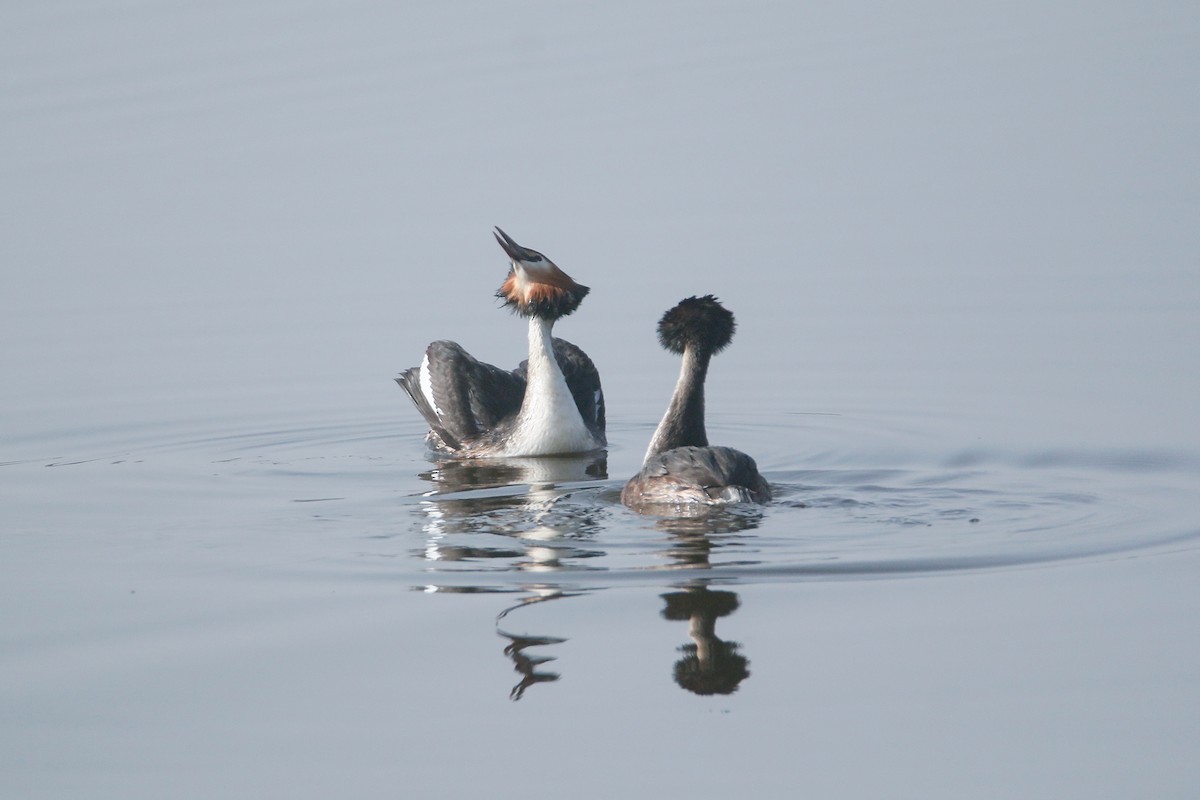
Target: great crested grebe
(551, 404)
(680, 468)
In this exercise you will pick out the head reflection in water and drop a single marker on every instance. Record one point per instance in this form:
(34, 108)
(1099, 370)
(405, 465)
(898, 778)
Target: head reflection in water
(527, 665)
(709, 665)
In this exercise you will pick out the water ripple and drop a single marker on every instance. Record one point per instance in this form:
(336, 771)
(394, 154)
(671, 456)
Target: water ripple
(503, 525)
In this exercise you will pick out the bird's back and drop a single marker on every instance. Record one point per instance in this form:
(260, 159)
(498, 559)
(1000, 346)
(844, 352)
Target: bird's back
(697, 475)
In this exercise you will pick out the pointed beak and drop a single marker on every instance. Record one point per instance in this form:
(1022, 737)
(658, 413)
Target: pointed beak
(514, 250)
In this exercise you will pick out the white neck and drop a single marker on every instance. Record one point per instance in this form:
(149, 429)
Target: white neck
(549, 421)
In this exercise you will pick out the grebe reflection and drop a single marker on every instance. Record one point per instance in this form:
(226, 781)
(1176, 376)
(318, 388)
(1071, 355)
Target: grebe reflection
(710, 665)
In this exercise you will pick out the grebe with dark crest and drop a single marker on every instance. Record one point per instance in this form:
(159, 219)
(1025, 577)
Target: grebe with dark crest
(681, 469)
(552, 404)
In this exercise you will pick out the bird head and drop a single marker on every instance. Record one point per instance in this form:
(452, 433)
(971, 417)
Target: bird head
(535, 286)
(701, 323)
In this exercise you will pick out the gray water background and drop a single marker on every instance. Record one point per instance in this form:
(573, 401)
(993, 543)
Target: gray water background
(961, 246)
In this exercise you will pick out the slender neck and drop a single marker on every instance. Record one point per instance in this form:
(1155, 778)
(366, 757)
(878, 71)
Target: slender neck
(683, 424)
(543, 377)
(549, 422)
(541, 349)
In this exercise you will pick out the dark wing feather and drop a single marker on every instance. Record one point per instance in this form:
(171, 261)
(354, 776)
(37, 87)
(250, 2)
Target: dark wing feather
(583, 380)
(410, 382)
(469, 397)
(721, 474)
(737, 474)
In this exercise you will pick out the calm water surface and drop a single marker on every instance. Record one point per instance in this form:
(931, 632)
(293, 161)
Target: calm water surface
(225, 599)
(961, 248)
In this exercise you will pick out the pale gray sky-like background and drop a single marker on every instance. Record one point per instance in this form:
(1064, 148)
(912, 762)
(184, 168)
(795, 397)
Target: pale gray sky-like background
(928, 200)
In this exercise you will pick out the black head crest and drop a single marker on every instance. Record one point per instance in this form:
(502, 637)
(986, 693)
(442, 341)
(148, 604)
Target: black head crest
(701, 323)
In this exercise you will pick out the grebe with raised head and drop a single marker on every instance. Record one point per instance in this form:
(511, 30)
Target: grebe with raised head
(681, 469)
(552, 404)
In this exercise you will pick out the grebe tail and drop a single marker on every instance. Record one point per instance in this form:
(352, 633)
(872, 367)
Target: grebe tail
(680, 468)
(552, 404)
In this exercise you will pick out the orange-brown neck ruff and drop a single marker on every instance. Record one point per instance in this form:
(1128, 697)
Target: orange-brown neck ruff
(551, 295)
